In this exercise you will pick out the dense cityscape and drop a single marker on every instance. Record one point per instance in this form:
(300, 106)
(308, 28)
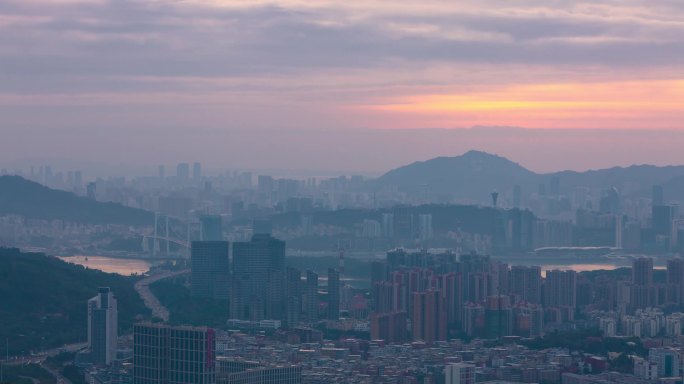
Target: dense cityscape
(381, 286)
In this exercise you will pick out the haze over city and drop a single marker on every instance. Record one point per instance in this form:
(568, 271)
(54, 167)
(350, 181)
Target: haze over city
(329, 192)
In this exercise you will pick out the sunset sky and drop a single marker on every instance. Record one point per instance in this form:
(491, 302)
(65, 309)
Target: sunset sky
(85, 78)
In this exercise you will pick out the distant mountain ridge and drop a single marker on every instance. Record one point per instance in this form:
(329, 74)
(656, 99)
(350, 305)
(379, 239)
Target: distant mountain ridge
(475, 174)
(32, 200)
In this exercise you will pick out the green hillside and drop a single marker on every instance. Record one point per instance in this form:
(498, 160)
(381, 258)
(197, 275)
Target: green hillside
(44, 300)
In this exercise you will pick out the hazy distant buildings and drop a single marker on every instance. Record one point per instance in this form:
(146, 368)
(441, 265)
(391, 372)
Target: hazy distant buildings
(183, 171)
(211, 228)
(102, 327)
(210, 269)
(196, 171)
(175, 355)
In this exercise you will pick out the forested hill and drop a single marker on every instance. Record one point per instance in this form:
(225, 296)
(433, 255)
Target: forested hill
(44, 300)
(32, 200)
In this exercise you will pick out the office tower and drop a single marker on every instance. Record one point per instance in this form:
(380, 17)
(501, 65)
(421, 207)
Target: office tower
(102, 327)
(333, 294)
(560, 289)
(183, 171)
(161, 172)
(526, 283)
(258, 279)
(150, 354)
(642, 271)
(173, 355)
(293, 293)
(675, 281)
(196, 171)
(390, 327)
(516, 196)
(643, 291)
(663, 217)
(311, 296)
(428, 319)
(211, 228)
(210, 269)
(498, 317)
(657, 196)
(459, 373)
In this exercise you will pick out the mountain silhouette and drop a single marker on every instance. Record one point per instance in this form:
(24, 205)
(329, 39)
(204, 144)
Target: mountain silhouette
(473, 176)
(35, 201)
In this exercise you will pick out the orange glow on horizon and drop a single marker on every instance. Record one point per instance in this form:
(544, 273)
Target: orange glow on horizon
(636, 104)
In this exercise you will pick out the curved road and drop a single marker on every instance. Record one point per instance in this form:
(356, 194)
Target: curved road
(151, 302)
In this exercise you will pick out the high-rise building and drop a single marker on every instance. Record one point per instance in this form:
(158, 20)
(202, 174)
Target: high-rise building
(675, 281)
(183, 171)
(429, 317)
(210, 269)
(258, 279)
(102, 327)
(657, 196)
(211, 228)
(311, 296)
(663, 217)
(516, 196)
(162, 172)
(560, 289)
(333, 294)
(174, 355)
(197, 171)
(459, 373)
(390, 327)
(642, 271)
(498, 317)
(265, 185)
(526, 283)
(293, 292)
(643, 292)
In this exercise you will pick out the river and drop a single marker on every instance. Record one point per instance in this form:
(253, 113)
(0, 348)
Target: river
(126, 267)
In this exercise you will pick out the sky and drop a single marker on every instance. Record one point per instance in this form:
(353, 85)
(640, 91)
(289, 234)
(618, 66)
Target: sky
(341, 85)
